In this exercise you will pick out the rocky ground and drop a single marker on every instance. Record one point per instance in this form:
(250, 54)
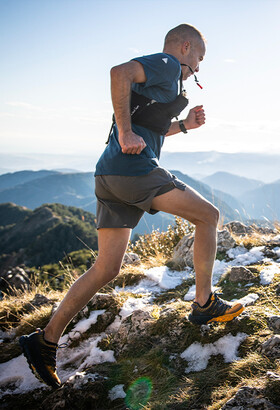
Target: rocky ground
(132, 347)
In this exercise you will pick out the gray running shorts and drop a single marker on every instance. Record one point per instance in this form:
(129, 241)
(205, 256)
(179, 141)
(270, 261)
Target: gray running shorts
(122, 200)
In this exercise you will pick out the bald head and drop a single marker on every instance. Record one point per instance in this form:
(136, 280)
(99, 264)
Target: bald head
(181, 33)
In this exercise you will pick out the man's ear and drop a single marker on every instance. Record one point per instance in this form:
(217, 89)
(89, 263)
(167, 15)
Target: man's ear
(186, 47)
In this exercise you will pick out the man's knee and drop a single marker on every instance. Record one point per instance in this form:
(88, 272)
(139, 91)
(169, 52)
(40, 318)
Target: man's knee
(210, 215)
(107, 270)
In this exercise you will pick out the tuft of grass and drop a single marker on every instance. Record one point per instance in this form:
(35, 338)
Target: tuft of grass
(162, 243)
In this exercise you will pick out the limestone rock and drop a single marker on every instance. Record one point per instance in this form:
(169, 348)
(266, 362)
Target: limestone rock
(183, 252)
(248, 398)
(271, 347)
(238, 228)
(239, 273)
(13, 280)
(131, 259)
(131, 327)
(224, 241)
(102, 301)
(39, 300)
(274, 323)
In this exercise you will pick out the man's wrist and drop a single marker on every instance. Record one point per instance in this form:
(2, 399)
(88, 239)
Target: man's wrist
(124, 131)
(182, 127)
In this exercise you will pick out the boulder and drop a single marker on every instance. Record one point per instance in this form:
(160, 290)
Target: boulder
(248, 398)
(131, 328)
(38, 301)
(183, 252)
(274, 323)
(240, 273)
(224, 241)
(271, 347)
(131, 259)
(238, 228)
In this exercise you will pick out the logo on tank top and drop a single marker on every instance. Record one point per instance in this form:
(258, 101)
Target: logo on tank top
(165, 60)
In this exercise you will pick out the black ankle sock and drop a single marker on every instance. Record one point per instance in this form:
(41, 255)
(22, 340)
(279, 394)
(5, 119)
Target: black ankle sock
(208, 302)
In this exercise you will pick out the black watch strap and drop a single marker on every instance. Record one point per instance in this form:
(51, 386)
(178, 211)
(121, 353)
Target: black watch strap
(182, 127)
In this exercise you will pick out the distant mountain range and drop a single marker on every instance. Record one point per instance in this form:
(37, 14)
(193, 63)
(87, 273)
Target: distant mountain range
(77, 189)
(263, 167)
(238, 198)
(231, 184)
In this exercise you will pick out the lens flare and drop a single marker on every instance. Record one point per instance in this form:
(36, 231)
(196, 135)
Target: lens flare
(138, 393)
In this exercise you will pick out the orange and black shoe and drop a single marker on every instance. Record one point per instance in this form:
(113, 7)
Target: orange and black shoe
(41, 357)
(215, 310)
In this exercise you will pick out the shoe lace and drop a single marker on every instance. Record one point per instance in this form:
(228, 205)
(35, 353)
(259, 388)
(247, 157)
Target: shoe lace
(49, 354)
(220, 305)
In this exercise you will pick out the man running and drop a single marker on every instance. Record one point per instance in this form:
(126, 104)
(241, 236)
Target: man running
(129, 181)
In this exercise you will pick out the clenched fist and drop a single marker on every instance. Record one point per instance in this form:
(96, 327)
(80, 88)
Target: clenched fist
(131, 143)
(195, 118)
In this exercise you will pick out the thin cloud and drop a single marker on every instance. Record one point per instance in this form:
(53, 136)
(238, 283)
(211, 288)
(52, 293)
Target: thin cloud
(22, 104)
(134, 50)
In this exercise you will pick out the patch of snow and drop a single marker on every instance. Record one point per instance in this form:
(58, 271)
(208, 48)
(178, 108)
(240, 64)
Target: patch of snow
(166, 278)
(252, 256)
(16, 373)
(145, 287)
(82, 326)
(248, 299)
(219, 268)
(268, 272)
(234, 253)
(198, 355)
(117, 392)
(79, 379)
(190, 295)
(240, 256)
(85, 355)
(132, 304)
(248, 284)
(114, 327)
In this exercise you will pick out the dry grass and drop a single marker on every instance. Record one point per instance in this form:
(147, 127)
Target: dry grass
(170, 333)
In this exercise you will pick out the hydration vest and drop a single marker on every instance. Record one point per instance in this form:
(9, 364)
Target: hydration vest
(154, 115)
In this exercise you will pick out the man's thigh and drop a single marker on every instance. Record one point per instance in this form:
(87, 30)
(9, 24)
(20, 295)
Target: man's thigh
(112, 244)
(188, 204)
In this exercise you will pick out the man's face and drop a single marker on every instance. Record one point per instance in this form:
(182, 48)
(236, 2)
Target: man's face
(195, 52)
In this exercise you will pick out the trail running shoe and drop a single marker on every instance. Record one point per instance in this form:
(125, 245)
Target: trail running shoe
(218, 310)
(41, 357)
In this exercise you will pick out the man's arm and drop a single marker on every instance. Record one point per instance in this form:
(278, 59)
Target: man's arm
(195, 119)
(122, 77)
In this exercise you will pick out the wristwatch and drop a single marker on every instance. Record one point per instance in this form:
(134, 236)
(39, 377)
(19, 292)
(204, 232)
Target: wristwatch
(182, 127)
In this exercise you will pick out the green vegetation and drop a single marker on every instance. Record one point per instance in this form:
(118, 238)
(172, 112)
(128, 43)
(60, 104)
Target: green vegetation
(46, 235)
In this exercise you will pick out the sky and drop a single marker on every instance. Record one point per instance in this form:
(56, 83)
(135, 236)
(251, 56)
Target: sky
(56, 57)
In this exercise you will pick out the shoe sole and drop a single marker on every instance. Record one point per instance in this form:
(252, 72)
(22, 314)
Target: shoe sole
(199, 320)
(25, 351)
